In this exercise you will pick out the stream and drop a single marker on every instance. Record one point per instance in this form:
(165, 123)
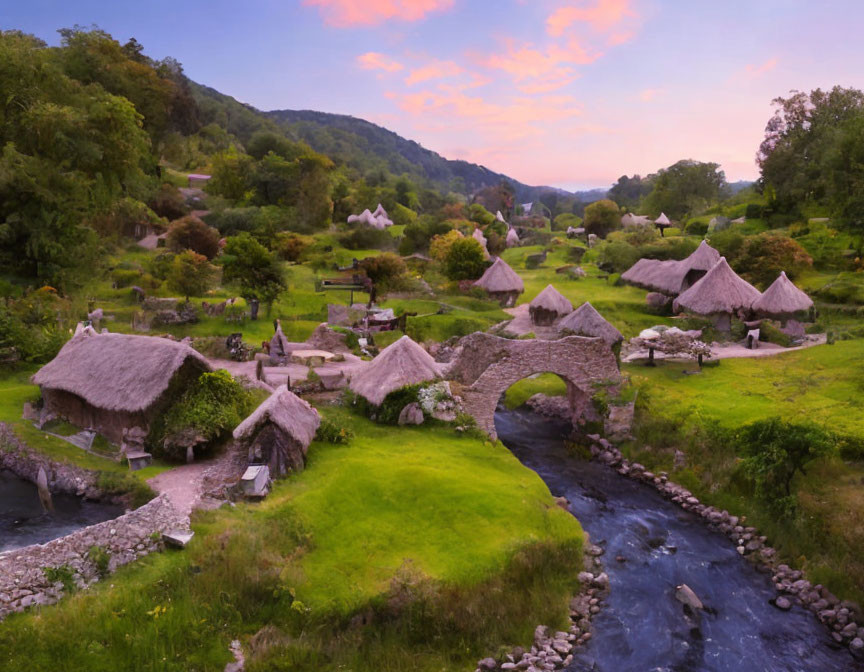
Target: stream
(23, 522)
(642, 627)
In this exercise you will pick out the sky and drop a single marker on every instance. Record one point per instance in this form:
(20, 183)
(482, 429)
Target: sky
(568, 93)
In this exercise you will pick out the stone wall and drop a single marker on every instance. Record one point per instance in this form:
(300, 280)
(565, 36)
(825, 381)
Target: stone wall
(24, 462)
(131, 536)
(486, 365)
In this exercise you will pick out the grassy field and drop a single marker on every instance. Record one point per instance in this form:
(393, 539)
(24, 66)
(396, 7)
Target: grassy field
(546, 383)
(421, 529)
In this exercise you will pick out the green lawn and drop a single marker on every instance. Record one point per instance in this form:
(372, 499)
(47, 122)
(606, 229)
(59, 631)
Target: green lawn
(546, 383)
(444, 513)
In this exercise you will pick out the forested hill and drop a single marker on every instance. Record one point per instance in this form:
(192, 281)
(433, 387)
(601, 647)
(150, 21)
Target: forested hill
(360, 143)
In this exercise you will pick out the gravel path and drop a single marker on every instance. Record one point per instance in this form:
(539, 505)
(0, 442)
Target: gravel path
(182, 484)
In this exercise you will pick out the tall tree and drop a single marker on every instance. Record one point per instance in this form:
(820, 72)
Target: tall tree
(686, 188)
(255, 269)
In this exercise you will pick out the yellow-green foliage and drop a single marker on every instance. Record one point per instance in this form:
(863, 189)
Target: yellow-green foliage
(546, 383)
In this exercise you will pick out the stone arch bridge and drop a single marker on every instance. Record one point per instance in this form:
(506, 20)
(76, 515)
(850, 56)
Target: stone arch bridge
(486, 365)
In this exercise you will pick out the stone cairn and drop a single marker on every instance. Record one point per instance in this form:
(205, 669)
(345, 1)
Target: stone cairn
(842, 618)
(555, 651)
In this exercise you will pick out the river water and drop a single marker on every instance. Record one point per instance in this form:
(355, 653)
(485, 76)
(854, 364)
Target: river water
(642, 627)
(23, 522)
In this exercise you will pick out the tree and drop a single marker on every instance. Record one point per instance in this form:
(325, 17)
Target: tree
(255, 269)
(387, 272)
(762, 257)
(168, 202)
(440, 244)
(602, 217)
(776, 450)
(686, 188)
(190, 233)
(263, 142)
(566, 220)
(314, 206)
(628, 192)
(464, 260)
(191, 274)
(231, 175)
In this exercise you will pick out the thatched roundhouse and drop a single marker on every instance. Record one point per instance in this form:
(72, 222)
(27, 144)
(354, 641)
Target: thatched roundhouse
(631, 220)
(112, 382)
(279, 431)
(548, 306)
(399, 364)
(720, 294)
(782, 300)
(512, 239)
(586, 321)
(480, 238)
(672, 277)
(501, 282)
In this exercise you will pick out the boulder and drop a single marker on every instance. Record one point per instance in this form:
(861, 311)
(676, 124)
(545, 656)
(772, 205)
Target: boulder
(685, 595)
(412, 414)
(783, 603)
(656, 299)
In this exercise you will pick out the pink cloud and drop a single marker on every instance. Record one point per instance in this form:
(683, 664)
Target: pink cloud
(602, 16)
(347, 13)
(647, 95)
(757, 70)
(372, 60)
(524, 61)
(434, 70)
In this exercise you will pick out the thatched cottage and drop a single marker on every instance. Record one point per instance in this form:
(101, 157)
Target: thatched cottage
(548, 306)
(480, 238)
(586, 321)
(512, 239)
(113, 382)
(782, 300)
(720, 294)
(672, 277)
(398, 365)
(501, 282)
(279, 431)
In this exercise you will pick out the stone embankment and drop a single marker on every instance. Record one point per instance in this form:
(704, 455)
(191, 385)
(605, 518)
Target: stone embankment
(843, 618)
(17, 457)
(83, 556)
(555, 650)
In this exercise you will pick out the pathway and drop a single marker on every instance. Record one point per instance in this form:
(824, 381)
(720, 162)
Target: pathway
(733, 350)
(183, 485)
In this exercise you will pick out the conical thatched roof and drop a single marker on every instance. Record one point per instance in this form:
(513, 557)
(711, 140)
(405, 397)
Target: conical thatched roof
(631, 219)
(480, 238)
(586, 321)
(512, 238)
(663, 220)
(669, 276)
(720, 290)
(286, 410)
(399, 364)
(117, 372)
(782, 298)
(499, 277)
(552, 300)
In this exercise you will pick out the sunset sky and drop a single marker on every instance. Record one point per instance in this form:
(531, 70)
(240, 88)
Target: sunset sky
(570, 94)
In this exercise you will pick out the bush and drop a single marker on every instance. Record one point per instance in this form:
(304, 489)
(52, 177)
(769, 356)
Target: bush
(602, 217)
(290, 246)
(100, 558)
(330, 432)
(389, 410)
(168, 202)
(386, 271)
(696, 227)
(367, 238)
(565, 220)
(190, 233)
(771, 334)
(762, 258)
(123, 277)
(464, 260)
(754, 211)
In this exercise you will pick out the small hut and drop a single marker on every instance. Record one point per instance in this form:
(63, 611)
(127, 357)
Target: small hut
(512, 239)
(785, 302)
(662, 223)
(720, 294)
(399, 364)
(548, 306)
(586, 321)
(670, 276)
(279, 431)
(501, 282)
(480, 238)
(632, 220)
(114, 382)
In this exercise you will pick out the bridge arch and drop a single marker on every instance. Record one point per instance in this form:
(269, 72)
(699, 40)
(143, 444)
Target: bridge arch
(487, 365)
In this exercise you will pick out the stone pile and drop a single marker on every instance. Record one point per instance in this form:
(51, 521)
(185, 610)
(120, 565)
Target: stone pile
(555, 651)
(842, 618)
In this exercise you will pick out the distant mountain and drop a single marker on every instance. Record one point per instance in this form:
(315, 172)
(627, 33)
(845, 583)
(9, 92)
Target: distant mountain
(362, 144)
(740, 185)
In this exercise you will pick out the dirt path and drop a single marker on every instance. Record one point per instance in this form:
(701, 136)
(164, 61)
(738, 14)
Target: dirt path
(182, 484)
(734, 351)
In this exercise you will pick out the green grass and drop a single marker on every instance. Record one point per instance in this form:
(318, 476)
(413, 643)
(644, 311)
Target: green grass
(449, 526)
(546, 383)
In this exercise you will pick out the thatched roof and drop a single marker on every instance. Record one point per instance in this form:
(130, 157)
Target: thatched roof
(668, 276)
(512, 238)
(552, 300)
(720, 290)
(480, 238)
(782, 298)
(635, 220)
(586, 321)
(399, 364)
(499, 277)
(286, 410)
(117, 372)
(663, 220)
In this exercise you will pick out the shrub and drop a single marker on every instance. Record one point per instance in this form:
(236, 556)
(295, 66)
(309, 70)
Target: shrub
(440, 244)
(168, 202)
(754, 211)
(565, 220)
(367, 238)
(100, 558)
(290, 246)
(330, 432)
(602, 217)
(762, 258)
(61, 574)
(119, 485)
(771, 334)
(190, 233)
(123, 277)
(388, 412)
(191, 274)
(464, 260)
(386, 271)
(696, 227)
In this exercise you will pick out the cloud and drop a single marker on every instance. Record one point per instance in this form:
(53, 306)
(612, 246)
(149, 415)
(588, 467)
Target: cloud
(602, 16)
(541, 70)
(647, 95)
(752, 70)
(434, 70)
(349, 13)
(372, 60)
